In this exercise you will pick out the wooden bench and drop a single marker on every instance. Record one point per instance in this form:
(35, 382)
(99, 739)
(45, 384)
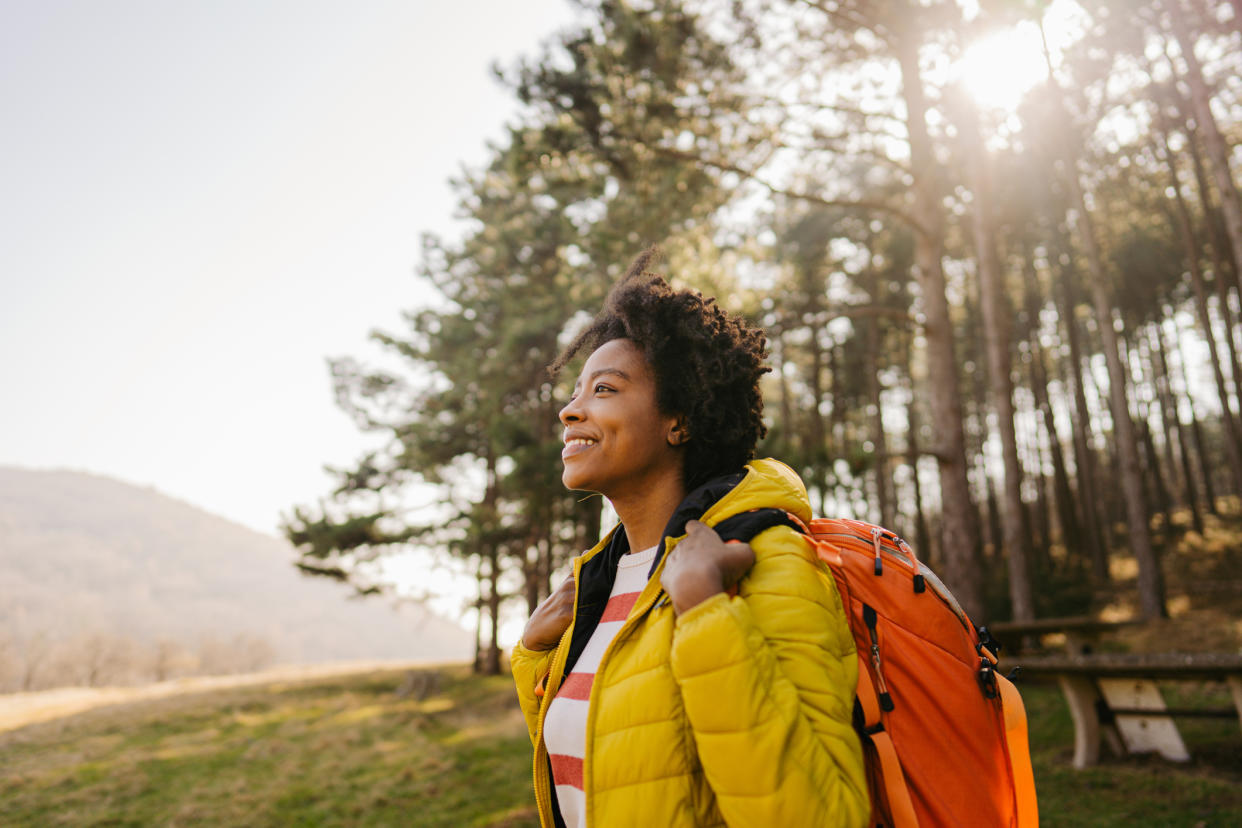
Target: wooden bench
(1114, 696)
(1078, 630)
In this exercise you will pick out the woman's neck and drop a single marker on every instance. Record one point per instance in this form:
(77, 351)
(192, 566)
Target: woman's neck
(645, 514)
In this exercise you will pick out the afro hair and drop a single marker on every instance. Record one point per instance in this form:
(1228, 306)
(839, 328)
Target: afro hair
(707, 364)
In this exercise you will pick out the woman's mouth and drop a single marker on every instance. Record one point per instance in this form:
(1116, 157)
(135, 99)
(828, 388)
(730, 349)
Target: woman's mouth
(575, 446)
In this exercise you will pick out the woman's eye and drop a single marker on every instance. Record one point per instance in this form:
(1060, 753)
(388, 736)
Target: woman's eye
(602, 387)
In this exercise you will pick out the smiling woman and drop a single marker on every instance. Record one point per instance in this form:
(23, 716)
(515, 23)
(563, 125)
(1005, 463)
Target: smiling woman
(677, 678)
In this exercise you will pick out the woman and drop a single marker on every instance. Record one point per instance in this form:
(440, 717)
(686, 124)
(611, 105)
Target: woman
(676, 679)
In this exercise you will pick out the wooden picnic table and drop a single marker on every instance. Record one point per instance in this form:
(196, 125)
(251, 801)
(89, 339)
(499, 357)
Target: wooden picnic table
(1077, 629)
(1114, 696)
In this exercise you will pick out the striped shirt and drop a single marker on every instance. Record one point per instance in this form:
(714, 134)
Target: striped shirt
(564, 728)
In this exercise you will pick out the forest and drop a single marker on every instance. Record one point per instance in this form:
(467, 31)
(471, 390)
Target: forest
(996, 246)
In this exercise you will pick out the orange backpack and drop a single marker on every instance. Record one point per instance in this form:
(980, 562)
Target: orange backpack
(944, 733)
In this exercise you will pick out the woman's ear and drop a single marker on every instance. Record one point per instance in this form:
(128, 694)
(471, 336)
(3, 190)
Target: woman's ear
(679, 434)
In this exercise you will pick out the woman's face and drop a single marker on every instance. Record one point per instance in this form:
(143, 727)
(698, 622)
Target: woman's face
(617, 442)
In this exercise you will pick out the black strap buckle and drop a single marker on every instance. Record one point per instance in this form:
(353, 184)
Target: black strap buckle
(987, 678)
(986, 640)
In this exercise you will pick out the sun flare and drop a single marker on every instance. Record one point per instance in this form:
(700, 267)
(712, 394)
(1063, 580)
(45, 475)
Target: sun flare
(1002, 67)
(998, 69)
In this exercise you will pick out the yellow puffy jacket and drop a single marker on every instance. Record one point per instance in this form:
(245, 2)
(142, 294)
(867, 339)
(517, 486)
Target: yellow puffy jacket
(738, 712)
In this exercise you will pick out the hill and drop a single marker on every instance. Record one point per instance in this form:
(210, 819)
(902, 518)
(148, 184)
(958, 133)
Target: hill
(95, 564)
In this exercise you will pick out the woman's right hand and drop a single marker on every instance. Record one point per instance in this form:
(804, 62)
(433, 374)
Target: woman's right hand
(551, 618)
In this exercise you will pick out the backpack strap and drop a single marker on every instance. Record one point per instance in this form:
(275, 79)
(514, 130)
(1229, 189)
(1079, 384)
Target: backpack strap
(896, 792)
(1019, 752)
(745, 525)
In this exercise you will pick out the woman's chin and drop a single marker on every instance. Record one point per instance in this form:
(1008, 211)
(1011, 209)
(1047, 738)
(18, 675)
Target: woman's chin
(576, 482)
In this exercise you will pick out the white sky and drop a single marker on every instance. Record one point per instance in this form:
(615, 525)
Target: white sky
(200, 201)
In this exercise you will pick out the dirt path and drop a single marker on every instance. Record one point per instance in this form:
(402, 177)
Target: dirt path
(21, 709)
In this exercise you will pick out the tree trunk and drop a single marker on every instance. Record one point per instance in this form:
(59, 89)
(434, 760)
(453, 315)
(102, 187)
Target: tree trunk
(491, 660)
(836, 430)
(1067, 511)
(1041, 525)
(879, 440)
(478, 624)
(1222, 250)
(993, 308)
(958, 534)
(1164, 477)
(488, 662)
(1232, 432)
(1196, 432)
(1213, 141)
(1173, 423)
(1084, 458)
(819, 453)
(786, 407)
(922, 535)
(1150, 581)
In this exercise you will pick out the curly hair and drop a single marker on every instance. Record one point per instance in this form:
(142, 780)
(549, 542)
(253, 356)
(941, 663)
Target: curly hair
(707, 364)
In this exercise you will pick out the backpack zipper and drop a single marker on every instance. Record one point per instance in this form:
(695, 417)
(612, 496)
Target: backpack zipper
(923, 573)
(870, 619)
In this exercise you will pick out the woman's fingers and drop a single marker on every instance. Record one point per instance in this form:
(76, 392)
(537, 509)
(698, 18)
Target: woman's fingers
(733, 558)
(702, 565)
(551, 618)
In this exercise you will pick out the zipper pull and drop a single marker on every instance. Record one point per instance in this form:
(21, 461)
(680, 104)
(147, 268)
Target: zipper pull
(875, 542)
(886, 700)
(920, 583)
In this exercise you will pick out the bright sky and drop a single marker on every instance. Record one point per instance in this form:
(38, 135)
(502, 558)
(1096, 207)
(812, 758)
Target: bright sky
(200, 201)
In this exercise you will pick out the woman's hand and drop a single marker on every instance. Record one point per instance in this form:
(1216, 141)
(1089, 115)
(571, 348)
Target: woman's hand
(551, 618)
(703, 565)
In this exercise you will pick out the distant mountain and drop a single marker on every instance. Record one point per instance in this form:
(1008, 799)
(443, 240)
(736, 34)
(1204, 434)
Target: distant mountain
(80, 553)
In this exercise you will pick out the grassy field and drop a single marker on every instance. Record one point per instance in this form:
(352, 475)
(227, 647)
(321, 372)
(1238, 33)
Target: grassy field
(351, 751)
(346, 751)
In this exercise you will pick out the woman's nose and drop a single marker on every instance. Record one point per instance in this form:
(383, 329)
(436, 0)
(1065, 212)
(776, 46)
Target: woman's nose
(569, 414)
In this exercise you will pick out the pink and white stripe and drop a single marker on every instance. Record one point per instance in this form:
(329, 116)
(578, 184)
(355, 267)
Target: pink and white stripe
(564, 728)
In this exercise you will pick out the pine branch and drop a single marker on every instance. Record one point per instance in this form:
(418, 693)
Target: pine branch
(811, 198)
(852, 18)
(751, 98)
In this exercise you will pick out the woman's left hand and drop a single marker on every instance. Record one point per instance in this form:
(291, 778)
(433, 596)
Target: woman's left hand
(703, 565)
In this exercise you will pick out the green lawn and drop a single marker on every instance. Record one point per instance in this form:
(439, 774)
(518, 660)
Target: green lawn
(339, 752)
(1139, 790)
(352, 752)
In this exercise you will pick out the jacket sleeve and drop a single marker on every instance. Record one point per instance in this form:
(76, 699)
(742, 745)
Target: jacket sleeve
(767, 679)
(530, 667)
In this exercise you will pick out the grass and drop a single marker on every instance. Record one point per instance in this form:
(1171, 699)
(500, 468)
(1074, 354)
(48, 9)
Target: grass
(454, 752)
(1137, 790)
(351, 751)
(324, 753)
